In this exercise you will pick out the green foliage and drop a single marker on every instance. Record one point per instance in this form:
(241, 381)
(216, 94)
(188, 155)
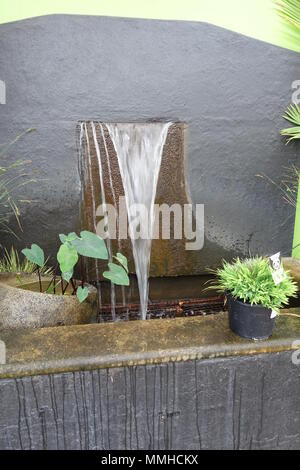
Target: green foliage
(13, 178)
(122, 260)
(251, 280)
(289, 12)
(87, 244)
(35, 254)
(92, 246)
(11, 263)
(117, 275)
(67, 275)
(82, 293)
(292, 115)
(288, 186)
(67, 257)
(67, 238)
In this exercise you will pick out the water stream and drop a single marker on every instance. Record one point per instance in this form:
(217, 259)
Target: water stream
(114, 197)
(139, 149)
(103, 197)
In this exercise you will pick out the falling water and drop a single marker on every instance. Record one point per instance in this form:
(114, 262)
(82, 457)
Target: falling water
(114, 198)
(139, 149)
(98, 153)
(86, 170)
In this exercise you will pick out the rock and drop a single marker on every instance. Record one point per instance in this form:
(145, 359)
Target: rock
(293, 266)
(21, 307)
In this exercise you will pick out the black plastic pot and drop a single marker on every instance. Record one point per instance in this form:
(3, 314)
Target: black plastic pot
(249, 321)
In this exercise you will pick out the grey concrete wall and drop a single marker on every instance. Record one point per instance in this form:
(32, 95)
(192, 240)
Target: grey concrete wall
(235, 403)
(229, 89)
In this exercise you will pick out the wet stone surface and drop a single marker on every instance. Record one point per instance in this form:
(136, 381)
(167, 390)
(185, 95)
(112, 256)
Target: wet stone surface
(86, 347)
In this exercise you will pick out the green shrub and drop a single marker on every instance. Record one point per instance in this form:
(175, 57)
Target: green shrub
(251, 281)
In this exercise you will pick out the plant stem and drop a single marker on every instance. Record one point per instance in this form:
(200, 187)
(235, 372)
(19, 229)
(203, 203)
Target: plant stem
(64, 290)
(74, 286)
(82, 276)
(49, 285)
(62, 285)
(54, 279)
(40, 281)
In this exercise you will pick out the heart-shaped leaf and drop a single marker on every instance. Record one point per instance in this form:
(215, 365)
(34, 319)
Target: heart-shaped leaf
(117, 275)
(67, 276)
(67, 257)
(122, 260)
(82, 293)
(63, 238)
(35, 254)
(91, 245)
(67, 238)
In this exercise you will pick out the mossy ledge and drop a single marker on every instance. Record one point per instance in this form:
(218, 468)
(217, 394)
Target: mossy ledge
(88, 347)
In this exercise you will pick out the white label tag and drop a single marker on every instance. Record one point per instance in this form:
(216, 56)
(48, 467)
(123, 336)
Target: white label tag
(277, 270)
(273, 314)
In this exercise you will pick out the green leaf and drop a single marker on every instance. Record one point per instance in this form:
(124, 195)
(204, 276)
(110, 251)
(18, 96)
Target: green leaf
(82, 293)
(292, 115)
(289, 13)
(68, 238)
(122, 260)
(67, 275)
(67, 257)
(62, 237)
(90, 245)
(117, 275)
(35, 254)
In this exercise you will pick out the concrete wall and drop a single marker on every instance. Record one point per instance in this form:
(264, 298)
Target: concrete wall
(229, 89)
(185, 405)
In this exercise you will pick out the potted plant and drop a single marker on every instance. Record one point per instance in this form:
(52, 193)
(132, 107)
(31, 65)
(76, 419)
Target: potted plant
(253, 298)
(58, 299)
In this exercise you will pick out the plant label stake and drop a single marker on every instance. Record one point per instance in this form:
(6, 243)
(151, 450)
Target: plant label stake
(278, 273)
(273, 314)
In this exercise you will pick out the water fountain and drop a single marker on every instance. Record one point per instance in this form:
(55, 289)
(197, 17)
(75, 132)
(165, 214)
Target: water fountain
(139, 149)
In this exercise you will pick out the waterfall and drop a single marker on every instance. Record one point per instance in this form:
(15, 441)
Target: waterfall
(98, 153)
(139, 149)
(114, 196)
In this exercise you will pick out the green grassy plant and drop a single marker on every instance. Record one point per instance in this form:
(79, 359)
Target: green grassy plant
(250, 280)
(11, 263)
(13, 177)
